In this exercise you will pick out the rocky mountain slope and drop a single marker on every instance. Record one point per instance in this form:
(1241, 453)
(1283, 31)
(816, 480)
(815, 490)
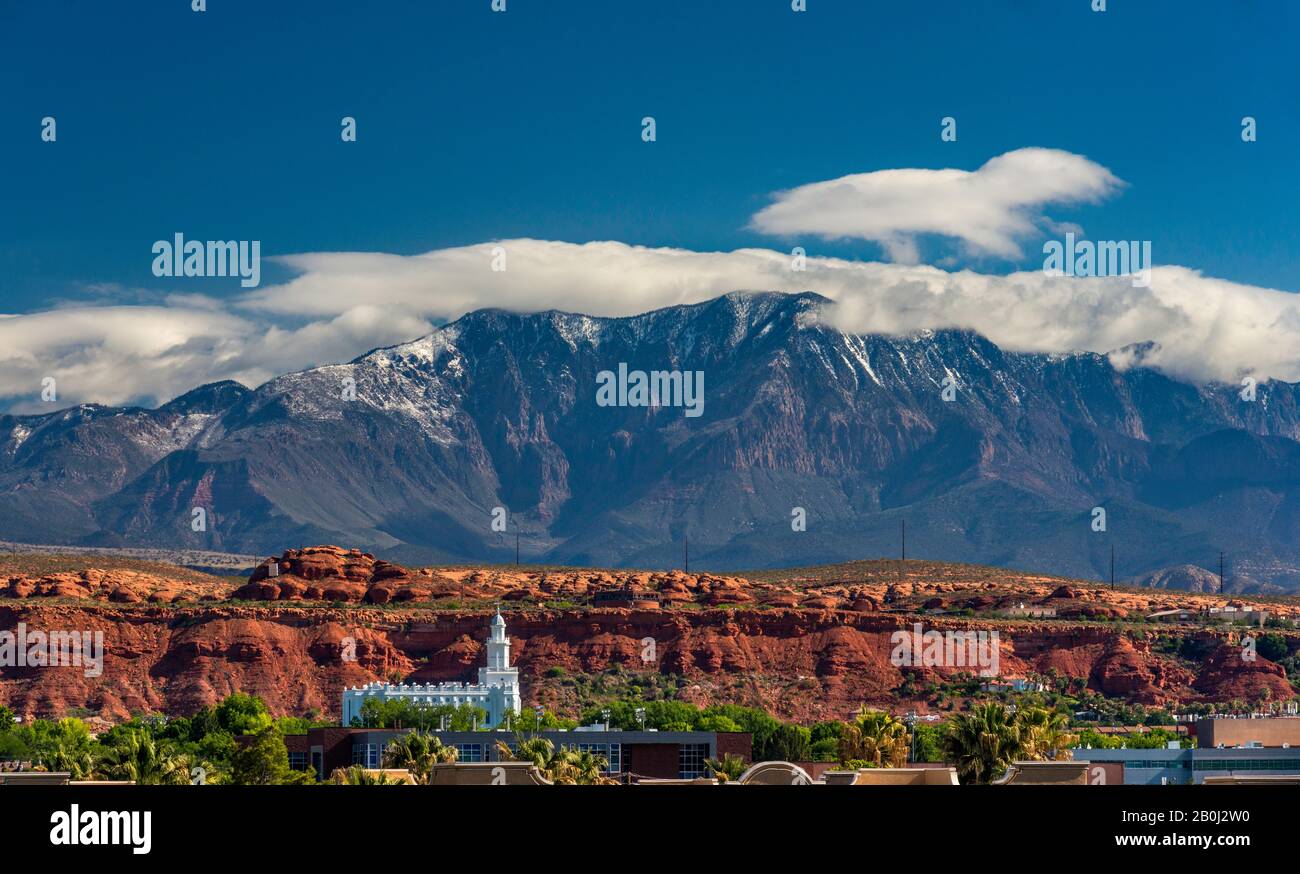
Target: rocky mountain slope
(987, 455)
(1190, 578)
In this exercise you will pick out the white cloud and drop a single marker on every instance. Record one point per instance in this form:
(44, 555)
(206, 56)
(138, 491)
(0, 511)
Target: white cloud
(988, 209)
(598, 278)
(135, 354)
(1207, 329)
(112, 353)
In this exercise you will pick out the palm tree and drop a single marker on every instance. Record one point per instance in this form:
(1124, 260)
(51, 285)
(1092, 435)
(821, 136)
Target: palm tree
(875, 737)
(729, 767)
(199, 770)
(418, 752)
(1045, 734)
(984, 742)
(588, 767)
(140, 758)
(568, 765)
(68, 756)
(537, 750)
(359, 776)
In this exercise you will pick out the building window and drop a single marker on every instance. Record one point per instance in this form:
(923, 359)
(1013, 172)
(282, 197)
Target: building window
(1248, 765)
(298, 761)
(469, 752)
(690, 760)
(612, 753)
(1154, 764)
(365, 755)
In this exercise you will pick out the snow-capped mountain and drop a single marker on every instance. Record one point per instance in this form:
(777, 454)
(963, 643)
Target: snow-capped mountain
(990, 456)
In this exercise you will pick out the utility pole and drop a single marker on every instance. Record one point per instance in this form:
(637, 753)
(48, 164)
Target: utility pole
(903, 522)
(1220, 572)
(516, 547)
(1112, 567)
(687, 554)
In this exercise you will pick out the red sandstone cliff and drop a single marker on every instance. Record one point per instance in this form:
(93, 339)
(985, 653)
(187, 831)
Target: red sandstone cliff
(806, 652)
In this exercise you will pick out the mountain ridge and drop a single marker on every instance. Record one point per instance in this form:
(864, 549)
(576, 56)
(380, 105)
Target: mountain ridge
(496, 409)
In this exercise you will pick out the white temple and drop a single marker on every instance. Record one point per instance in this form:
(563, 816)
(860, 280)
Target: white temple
(497, 689)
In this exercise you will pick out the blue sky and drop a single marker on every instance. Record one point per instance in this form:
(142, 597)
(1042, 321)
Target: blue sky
(477, 126)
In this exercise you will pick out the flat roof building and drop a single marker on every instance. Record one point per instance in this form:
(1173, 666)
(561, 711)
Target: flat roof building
(1183, 767)
(664, 754)
(1265, 731)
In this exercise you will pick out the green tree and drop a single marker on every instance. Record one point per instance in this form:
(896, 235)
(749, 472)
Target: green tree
(983, 743)
(141, 758)
(301, 724)
(359, 776)
(875, 737)
(265, 762)
(826, 740)
(243, 714)
(528, 721)
(64, 745)
(566, 765)
(1044, 734)
(928, 742)
(1089, 737)
(788, 743)
(716, 722)
(1271, 646)
(400, 713)
(418, 752)
(578, 767)
(538, 750)
(729, 767)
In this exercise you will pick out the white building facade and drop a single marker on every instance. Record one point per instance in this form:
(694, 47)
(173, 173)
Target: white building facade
(497, 689)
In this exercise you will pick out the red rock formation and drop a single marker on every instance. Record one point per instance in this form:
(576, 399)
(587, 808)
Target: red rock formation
(1228, 674)
(806, 651)
(1126, 670)
(117, 586)
(808, 664)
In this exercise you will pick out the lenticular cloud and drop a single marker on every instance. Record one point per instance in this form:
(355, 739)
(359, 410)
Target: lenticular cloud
(988, 209)
(340, 305)
(1203, 329)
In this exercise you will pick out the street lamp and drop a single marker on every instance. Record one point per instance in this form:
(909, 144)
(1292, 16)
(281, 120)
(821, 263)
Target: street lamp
(604, 714)
(640, 717)
(911, 726)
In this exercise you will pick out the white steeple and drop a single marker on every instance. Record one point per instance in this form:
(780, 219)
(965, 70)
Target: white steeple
(498, 645)
(499, 674)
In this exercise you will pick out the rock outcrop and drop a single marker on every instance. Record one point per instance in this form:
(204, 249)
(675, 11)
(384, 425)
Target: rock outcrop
(316, 619)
